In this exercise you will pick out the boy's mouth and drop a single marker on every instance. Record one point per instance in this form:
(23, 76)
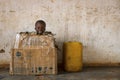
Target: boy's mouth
(39, 32)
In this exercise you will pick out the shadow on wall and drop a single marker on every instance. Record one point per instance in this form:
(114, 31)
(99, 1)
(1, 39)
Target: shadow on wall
(59, 51)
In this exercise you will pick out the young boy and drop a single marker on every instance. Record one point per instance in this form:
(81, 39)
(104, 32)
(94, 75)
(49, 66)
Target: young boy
(40, 27)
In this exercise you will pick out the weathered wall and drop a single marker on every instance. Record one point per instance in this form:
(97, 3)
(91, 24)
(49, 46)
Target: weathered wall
(95, 23)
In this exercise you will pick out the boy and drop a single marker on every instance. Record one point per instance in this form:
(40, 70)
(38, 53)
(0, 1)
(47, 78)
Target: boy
(40, 27)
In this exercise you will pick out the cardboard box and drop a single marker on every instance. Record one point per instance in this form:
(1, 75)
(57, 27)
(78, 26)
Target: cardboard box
(38, 57)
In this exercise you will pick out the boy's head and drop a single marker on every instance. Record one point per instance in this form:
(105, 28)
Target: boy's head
(40, 26)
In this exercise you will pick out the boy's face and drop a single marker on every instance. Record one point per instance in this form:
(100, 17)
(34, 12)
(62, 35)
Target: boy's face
(39, 28)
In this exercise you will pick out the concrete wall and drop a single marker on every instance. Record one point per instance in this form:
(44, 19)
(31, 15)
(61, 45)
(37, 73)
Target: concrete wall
(95, 23)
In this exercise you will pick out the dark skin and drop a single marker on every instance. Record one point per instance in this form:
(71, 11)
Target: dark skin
(40, 28)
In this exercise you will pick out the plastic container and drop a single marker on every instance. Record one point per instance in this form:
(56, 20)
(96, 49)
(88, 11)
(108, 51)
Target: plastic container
(72, 56)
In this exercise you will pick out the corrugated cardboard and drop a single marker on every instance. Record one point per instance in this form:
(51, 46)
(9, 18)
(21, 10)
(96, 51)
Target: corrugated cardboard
(33, 55)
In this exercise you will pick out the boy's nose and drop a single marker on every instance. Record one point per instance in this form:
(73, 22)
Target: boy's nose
(39, 27)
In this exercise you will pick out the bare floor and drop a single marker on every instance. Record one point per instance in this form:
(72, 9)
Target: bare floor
(96, 73)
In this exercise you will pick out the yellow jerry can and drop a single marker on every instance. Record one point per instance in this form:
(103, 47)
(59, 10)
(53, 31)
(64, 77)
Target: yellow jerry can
(72, 56)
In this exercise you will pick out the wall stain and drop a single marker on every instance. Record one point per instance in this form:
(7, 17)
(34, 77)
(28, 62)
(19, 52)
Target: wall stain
(95, 10)
(47, 9)
(98, 64)
(11, 11)
(4, 66)
(2, 21)
(2, 51)
(52, 1)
